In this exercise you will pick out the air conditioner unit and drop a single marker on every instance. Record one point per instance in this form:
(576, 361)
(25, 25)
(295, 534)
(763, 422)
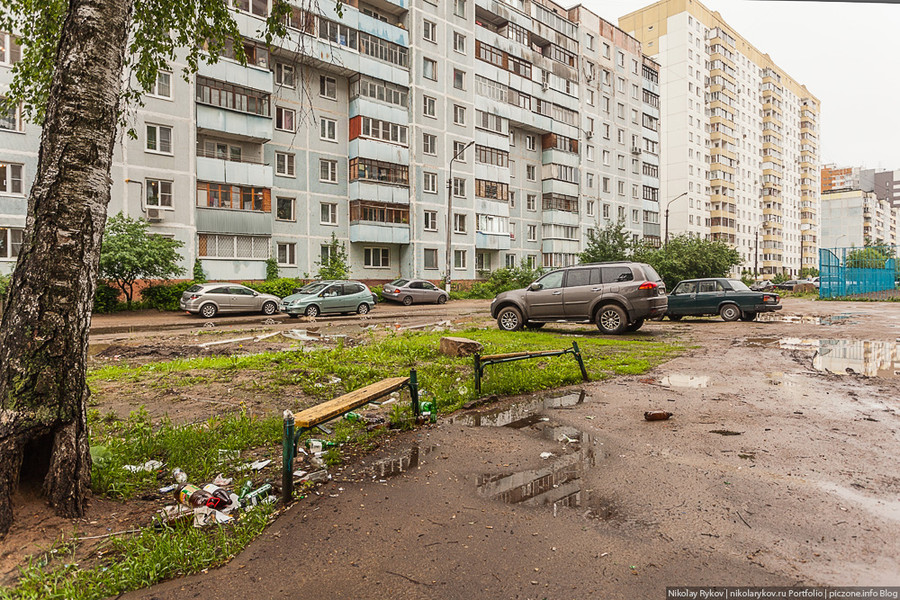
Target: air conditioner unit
(588, 134)
(545, 85)
(635, 149)
(154, 215)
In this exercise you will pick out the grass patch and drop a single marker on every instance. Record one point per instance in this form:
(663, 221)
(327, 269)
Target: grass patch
(139, 561)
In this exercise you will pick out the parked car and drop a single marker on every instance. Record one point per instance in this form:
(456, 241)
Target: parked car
(210, 299)
(410, 291)
(617, 296)
(787, 285)
(730, 298)
(761, 286)
(326, 297)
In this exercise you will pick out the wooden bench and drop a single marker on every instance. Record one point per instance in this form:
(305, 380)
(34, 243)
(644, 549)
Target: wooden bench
(492, 359)
(321, 413)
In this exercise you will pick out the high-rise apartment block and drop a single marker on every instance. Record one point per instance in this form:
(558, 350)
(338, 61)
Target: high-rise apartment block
(738, 138)
(859, 207)
(532, 123)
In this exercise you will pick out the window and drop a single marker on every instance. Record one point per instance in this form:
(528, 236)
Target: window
(429, 182)
(287, 254)
(459, 187)
(459, 42)
(377, 258)
(379, 171)
(10, 51)
(606, 211)
(327, 170)
(284, 119)
(590, 208)
(328, 129)
(12, 120)
(459, 223)
(328, 213)
(532, 233)
(384, 130)
(284, 209)
(159, 193)
(590, 180)
(459, 151)
(529, 142)
(212, 245)
(429, 69)
(11, 178)
(605, 155)
(383, 50)
(161, 88)
(431, 258)
(284, 164)
(328, 87)
(430, 220)
(531, 202)
(621, 188)
(530, 172)
(429, 144)
(459, 8)
(284, 75)
(459, 259)
(159, 139)
(459, 114)
(590, 153)
(10, 242)
(429, 31)
(590, 41)
(606, 185)
(428, 106)
(459, 79)
(235, 197)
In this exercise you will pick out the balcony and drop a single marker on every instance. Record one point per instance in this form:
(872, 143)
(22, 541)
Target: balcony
(233, 172)
(492, 241)
(379, 233)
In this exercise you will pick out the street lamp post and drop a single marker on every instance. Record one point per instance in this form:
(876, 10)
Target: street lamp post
(756, 254)
(450, 210)
(669, 203)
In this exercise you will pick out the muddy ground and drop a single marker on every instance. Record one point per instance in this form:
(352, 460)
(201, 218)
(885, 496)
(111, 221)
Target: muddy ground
(778, 466)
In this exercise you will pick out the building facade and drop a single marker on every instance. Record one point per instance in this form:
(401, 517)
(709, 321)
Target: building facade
(472, 134)
(739, 138)
(859, 207)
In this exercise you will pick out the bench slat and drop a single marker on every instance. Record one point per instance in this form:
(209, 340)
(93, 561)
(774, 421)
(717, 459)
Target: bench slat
(326, 411)
(520, 354)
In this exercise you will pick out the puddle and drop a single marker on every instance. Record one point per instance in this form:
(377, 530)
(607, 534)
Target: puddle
(841, 319)
(885, 509)
(520, 414)
(784, 379)
(686, 381)
(395, 465)
(840, 357)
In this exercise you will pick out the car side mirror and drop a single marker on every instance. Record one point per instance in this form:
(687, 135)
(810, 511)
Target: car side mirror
(256, 293)
(534, 287)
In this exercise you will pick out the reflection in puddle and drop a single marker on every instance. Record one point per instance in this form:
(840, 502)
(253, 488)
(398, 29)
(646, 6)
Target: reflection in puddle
(864, 357)
(395, 465)
(840, 319)
(784, 379)
(688, 381)
(521, 414)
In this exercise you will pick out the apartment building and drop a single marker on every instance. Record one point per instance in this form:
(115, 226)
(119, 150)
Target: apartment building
(473, 134)
(739, 147)
(858, 207)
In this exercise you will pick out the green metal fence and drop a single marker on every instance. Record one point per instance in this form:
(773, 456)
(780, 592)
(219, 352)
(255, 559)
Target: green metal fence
(869, 272)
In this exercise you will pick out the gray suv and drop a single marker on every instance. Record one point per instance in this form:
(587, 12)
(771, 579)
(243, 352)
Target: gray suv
(617, 296)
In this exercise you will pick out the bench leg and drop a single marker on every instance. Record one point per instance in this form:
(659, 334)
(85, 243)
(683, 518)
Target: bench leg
(577, 354)
(477, 375)
(287, 459)
(414, 393)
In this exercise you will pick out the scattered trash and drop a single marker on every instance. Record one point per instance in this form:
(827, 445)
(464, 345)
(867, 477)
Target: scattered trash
(257, 465)
(657, 415)
(220, 342)
(300, 473)
(150, 465)
(168, 488)
(179, 475)
(191, 496)
(259, 496)
(546, 455)
(320, 476)
(206, 516)
(315, 445)
(222, 481)
(725, 432)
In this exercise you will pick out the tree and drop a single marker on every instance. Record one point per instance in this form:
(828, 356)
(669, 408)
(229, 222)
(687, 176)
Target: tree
(271, 269)
(611, 242)
(335, 265)
(69, 79)
(198, 275)
(130, 253)
(689, 257)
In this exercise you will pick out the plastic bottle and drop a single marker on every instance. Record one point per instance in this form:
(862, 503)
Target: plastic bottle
(191, 495)
(220, 497)
(180, 476)
(245, 489)
(315, 445)
(352, 416)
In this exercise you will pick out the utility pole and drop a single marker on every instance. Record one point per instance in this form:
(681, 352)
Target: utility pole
(450, 212)
(669, 203)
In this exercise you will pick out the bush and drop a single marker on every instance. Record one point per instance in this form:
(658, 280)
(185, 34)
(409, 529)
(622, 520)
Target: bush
(106, 298)
(4, 285)
(164, 296)
(277, 287)
(271, 269)
(501, 280)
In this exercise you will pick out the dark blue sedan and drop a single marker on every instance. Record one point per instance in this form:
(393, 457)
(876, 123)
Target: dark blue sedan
(729, 298)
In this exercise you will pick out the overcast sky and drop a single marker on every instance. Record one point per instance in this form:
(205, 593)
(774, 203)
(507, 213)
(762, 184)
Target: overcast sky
(846, 53)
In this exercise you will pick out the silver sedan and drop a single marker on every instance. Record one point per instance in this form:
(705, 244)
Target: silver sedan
(208, 299)
(409, 291)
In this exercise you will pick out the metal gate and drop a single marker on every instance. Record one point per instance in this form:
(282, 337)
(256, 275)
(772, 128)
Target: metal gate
(870, 272)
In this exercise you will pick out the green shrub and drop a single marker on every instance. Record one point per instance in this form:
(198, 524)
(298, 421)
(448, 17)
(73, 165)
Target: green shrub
(377, 290)
(164, 296)
(501, 280)
(277, 287)
(271, 269)
(199, 275)
(4, 285)
(106, 298)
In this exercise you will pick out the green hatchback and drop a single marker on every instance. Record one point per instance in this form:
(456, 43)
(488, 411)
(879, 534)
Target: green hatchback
(729, 298)
(328, 297)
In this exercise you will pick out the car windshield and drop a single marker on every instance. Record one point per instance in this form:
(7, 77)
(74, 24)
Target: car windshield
(195, 288)
(738, 285)
(312, 288)
(399, 282)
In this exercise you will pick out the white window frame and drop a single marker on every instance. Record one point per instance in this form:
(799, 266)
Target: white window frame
(429, 26)
(459, 187)
(293, 203)
(429, 182)
(429, 105)
(328, 129)
(332, 171)
(430, 220)
(532, 233)
(281, 115)
(324, 81)
(161, 184)
(154, 89)
(434, 70)
(286, 168)
(328, 213)
(282, 69)
(433, 252)
(459, 42)
(369, 253)
(462, 79)
(429, 139)
(9, 181)
(459, 223)
(459, 259)
(158, 129)
(459, 115)
(290, 249)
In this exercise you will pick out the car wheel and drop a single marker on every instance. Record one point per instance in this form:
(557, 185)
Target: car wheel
(509, 319)
(534, 325)
(674, 317)
(269, 308)
(730, 312)
(362, 309)
(312, 311)
(208, 310)
(407, 300)
(748, 316)
(635, 326)
(611, 319)
(442, 299)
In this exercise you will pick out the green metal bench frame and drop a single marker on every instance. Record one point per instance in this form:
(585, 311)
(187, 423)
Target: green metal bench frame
(492, 359)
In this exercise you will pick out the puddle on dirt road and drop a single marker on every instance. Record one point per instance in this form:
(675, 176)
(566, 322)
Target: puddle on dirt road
(871, 358)
(881, 508)
(841, 319)
(521, 414)
(685, 381)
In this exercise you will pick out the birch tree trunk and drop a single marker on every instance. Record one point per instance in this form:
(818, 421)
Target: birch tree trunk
(44, 333)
